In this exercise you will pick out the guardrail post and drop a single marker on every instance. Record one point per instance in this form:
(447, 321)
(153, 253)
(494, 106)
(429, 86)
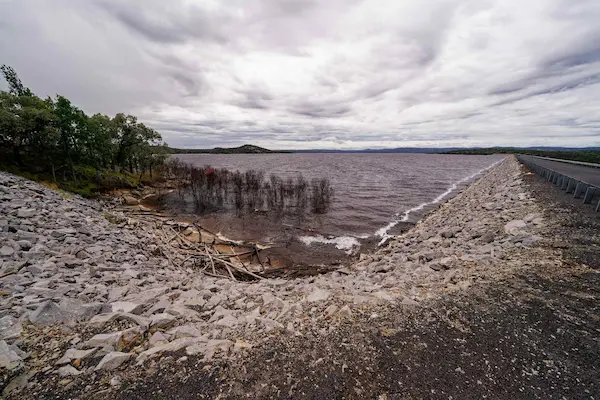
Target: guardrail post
(589, 194)
(581, 187)
(571, 185)
(564, 184)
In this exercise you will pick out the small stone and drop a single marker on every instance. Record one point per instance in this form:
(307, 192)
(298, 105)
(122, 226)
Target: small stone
(127, 307)
(104, 340)
(514, 226)
(227, 321)
(25, 245)
(241, 345)
(157, 338)
(9, 358)
(7, 251)
(345, 312)
(331, 310)
(75, 354)
(26, 212)
(115, 381)
(161, 320)
(318, 295)
(488, 237)
(270, 324)
(407, 301)
(113, 360)
(68, 370)
(10, 328)
(130, 200)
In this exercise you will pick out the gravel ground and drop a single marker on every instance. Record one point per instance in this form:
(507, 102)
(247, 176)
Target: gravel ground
(531, 333)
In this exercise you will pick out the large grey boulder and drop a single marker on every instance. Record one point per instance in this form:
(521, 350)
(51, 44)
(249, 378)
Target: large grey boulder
(104, 340)
(7, 251)
(26, 212)
(49, 313)
(10, 328)
(81, 310)
(113, 360)
(9, 358)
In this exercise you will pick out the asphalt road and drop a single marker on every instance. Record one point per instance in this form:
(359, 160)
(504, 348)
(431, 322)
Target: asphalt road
(582, 173)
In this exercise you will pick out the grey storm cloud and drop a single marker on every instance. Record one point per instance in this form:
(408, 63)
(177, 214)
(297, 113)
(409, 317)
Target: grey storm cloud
(313, 74)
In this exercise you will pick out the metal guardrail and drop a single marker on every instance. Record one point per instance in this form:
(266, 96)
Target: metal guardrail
(567, 183)
(587, 164)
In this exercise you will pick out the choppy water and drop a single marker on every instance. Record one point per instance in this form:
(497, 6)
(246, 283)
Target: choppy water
(373, 192)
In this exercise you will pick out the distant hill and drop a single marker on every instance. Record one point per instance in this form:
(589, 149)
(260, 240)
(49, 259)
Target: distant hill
(451, 150)
(245, 149)
(396, 150)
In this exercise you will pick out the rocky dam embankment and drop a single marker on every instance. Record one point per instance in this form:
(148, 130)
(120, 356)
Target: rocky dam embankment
(88, 298)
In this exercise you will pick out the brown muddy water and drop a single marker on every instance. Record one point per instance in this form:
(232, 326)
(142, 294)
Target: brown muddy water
(376, 196)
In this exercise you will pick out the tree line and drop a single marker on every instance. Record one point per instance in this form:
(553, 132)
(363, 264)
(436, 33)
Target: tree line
(591, 156)
(55, 137)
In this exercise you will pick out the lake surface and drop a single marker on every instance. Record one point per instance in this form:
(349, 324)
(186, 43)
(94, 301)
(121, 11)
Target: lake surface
(375, 194)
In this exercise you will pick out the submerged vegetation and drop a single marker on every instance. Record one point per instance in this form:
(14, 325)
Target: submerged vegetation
(213, 189)
(53, 140)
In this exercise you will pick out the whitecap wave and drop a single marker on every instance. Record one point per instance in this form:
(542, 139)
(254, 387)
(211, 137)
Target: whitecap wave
(348, 243)
(383, 232)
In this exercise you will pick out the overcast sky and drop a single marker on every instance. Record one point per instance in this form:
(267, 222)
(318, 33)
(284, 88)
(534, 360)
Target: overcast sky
(290, 74)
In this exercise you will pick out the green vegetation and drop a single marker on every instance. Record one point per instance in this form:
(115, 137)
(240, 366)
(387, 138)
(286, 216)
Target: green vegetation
(245, 149)
(591, 156)
(52, 140)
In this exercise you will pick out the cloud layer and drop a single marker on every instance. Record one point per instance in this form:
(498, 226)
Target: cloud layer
(309, 74)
